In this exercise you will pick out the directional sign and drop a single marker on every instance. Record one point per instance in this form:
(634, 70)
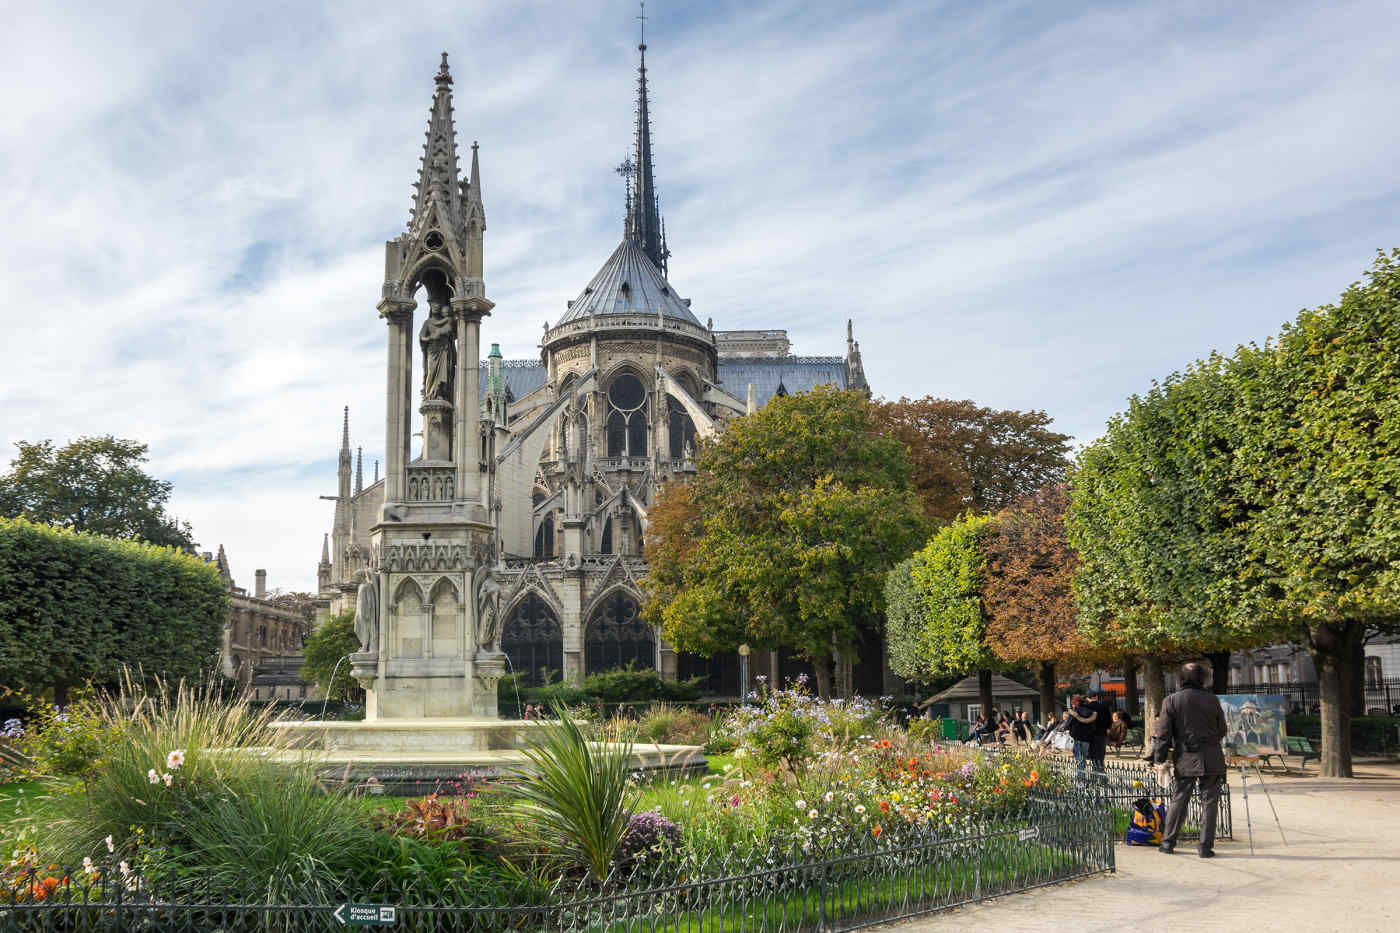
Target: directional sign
(364, 915)
(1026, 835)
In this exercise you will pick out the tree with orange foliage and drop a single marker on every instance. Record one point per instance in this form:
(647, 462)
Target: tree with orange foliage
(970, 458)
(1028, 592)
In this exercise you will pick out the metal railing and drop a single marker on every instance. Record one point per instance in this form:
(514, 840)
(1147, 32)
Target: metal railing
(1054, 839)
(1122, 782)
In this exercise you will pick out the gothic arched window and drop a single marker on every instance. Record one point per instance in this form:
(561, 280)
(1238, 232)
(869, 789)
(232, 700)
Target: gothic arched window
(534, 642)
(627, 417)
(680, 428)
(617, 636)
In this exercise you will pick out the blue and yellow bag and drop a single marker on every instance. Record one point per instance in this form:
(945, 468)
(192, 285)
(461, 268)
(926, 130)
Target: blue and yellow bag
(1145, 823)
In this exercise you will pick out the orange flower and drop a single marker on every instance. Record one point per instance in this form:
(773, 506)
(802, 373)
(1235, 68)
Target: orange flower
(876, 832)
(1035, 775)
(884, 806)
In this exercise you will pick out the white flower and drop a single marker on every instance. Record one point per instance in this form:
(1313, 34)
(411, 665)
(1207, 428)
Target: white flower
(801, 803)
(812, 813)
(87, 864)
(860, 808)
(175, 759)
(111, 846)
(124, 868)
(829, 796)
(167, 777)
(152, 776)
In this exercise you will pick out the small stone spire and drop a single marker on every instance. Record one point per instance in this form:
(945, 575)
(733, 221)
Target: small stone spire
(376, 471)
(855, 371)
(437, 174)
(475, 223)
(323, 569)
(343, 487)
(359, 470)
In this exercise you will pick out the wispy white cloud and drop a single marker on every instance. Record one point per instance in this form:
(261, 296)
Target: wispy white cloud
(1032, 205)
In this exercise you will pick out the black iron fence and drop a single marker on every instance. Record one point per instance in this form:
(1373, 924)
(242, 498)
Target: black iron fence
(1122, 782)
(1054, 839)
(1381, 696)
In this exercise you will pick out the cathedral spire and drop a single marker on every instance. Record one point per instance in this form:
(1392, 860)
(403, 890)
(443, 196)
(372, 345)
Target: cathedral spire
(326, 550)
(359, 470)
(643, 214)
(437, 174)
(345, 441)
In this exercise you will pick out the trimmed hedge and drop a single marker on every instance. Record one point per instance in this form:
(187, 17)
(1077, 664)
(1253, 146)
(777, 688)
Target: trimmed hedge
(624, 685)
(77, 607)
(1370, 735)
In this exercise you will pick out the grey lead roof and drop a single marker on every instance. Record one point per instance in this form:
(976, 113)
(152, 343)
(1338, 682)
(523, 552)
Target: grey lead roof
(628, 283)
(793, 373)
(520, 376)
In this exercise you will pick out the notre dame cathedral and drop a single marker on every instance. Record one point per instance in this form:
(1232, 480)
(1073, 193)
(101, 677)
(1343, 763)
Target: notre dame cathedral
(515, 529)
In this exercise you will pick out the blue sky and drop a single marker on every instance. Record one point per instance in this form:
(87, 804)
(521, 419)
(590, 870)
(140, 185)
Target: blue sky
(1033, 205)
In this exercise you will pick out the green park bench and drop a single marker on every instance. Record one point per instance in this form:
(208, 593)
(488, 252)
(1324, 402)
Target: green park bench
(1300, 746)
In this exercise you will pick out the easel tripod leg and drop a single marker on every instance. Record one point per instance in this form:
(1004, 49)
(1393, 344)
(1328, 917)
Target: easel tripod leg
(1269, 797)
(1244, 788)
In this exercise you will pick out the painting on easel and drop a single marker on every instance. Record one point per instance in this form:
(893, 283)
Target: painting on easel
(1255, 723)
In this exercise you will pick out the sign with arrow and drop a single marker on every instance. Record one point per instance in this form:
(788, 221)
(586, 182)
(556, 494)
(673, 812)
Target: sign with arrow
(364, 915)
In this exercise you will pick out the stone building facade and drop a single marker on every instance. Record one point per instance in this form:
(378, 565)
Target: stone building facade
(543, 468)
(264, 637)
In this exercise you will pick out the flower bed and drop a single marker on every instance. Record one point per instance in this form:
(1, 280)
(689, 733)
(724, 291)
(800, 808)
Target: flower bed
(827, 810)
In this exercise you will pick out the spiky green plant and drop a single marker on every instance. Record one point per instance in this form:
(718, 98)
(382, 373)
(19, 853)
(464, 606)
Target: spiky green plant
(576, 794)
(193, 783)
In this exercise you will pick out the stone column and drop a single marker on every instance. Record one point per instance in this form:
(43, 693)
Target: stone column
(399, 317)
(467, 454)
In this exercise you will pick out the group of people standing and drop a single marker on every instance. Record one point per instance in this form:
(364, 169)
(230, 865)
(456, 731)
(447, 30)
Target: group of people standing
(1091, 722)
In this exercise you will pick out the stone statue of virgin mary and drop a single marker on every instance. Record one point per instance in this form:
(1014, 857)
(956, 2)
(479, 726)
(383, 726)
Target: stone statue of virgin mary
(439, 352)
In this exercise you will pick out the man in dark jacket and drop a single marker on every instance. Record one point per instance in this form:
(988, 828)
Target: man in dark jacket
(1081, 729)
(1190, 728)
(1102, 706)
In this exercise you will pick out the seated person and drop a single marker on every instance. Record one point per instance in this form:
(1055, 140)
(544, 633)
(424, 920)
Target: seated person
(1118, 730)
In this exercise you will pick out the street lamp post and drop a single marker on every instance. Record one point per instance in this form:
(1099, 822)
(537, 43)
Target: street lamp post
(744, 674)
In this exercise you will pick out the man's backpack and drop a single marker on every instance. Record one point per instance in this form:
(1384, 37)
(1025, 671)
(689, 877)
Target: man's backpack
(1145, 823)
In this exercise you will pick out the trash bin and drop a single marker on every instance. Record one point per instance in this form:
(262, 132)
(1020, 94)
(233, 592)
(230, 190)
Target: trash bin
(949, 727)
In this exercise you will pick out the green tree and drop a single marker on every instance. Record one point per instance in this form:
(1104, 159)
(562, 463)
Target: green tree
(1253, 498)
(76, 607)
(327, 648)
(94, 484)
(785, 534)
(935, 616)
